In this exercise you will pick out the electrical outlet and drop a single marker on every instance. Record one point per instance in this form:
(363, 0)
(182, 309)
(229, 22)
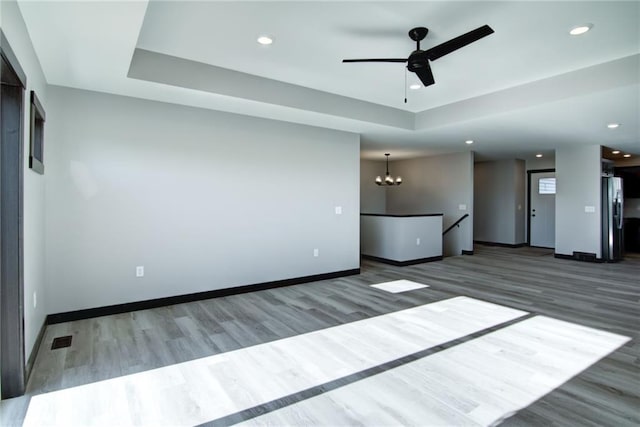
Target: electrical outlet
(417, 241)
(140, 271)
(35, 299)
(316, 252)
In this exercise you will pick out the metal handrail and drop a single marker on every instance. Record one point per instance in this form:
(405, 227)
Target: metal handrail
(455, 223)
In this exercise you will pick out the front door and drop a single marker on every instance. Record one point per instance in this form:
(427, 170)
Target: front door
(542, 211)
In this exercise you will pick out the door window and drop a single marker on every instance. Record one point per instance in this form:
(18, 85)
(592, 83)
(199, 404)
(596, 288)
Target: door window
(547, 186)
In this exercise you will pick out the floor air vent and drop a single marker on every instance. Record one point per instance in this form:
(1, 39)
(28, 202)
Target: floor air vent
(61, 342)
(585, 256)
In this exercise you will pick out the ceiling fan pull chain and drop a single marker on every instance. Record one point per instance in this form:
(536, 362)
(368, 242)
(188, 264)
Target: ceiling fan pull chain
(405, 84)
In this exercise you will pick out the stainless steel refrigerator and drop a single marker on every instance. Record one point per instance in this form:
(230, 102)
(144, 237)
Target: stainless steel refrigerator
(612, 220)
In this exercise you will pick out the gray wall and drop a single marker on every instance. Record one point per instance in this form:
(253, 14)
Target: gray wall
(203, 200)
(520, 189)
(547, 162)
(437, 184)
(578, 185)
(499, 196)
(401, 238)
(373, 198)
(34, 184)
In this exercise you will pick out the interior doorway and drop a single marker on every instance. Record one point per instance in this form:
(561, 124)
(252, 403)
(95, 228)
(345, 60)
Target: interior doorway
(12, 360)
(541, 223)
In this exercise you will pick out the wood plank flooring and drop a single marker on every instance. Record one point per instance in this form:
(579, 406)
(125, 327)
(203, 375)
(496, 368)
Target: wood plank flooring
(477, 382)
(219, 386)
(601, 296)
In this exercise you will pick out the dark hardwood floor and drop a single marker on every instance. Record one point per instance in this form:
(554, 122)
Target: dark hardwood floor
(603, 296)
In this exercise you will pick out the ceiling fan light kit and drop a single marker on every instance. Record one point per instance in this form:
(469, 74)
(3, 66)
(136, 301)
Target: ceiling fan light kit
(388, 179)
(419, 60)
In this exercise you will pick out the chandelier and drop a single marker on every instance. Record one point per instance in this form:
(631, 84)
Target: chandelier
(388, 179)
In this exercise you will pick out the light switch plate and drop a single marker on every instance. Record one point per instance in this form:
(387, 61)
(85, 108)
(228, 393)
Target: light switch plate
(462, 207)
(338, 210)
(589, 209)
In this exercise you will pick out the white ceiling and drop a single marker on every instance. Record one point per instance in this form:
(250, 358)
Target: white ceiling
(528, 88)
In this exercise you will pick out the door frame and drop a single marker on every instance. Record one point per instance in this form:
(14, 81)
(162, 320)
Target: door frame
(529, 173)
(12, 351)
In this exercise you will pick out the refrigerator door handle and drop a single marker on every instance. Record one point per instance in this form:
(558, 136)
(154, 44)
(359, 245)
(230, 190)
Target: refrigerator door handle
(620, 207)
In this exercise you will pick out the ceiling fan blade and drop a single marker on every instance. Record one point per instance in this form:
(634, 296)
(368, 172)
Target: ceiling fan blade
(425, 75)
(457, 43)
(376, 60)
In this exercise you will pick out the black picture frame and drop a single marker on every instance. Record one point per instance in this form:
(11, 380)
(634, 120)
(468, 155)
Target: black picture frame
(36, 151)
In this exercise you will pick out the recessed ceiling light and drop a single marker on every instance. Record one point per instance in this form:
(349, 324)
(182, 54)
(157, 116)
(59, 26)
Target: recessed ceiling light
(613, 125)
(538, 155)
(626, 155)
(415, 86)
(265, 40)
(615, 152)
(469, 141)
(580, 29)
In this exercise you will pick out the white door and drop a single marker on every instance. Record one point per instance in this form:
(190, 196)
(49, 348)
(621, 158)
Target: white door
(542, 212)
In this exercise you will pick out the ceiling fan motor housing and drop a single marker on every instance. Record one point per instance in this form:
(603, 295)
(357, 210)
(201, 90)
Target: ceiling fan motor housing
(416, 60)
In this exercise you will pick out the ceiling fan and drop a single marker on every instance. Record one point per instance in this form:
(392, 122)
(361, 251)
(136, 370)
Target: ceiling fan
(418, 61)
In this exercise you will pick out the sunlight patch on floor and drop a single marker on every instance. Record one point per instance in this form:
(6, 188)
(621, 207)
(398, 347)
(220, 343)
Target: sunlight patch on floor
(479, 382)
(398, 286)
(206, 389)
